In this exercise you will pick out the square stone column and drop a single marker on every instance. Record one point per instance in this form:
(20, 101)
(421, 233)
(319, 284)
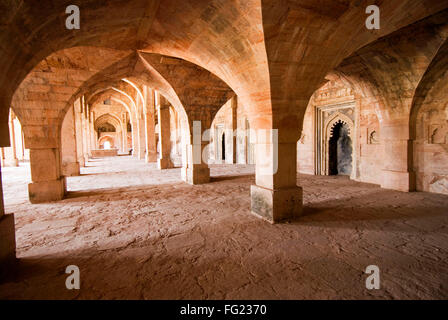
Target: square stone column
(397, 157)
(276, 197)
(141, 138)
(195, 168)
(196, 171)
(124, 131)
(85, 131)
(92, 133)
(79, 132)
(234, 106)
(151, 147)
(70, 164)
(164, 162)
(135, 140)
(10, 153)
(47, 185)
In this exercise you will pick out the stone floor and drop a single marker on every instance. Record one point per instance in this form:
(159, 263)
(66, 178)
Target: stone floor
(139, 233)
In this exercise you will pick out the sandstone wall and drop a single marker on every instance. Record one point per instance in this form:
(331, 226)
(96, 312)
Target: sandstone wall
(367, 146)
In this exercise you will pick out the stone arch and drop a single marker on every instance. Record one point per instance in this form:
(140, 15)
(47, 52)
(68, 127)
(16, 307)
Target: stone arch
(363, 85)
(108, 118)
(105, 138)
(118, 139)
(428, 127)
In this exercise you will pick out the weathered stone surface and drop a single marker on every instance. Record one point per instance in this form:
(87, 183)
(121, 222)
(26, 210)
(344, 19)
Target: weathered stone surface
(276, 205)
(70, 169)
(46, 191)
(133, 220)
(7, 244)
(104, 153)
(299, 69)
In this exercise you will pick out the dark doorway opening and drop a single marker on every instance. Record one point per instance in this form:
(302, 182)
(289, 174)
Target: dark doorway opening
(223, 147)
(340, 150)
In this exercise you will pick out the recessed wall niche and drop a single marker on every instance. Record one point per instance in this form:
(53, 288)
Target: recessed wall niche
(330, 150)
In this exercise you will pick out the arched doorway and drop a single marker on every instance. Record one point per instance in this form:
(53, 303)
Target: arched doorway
(340, 150)
(106, 142)
(336, 140)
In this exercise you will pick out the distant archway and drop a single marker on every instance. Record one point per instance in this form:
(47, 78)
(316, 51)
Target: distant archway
(106, 142)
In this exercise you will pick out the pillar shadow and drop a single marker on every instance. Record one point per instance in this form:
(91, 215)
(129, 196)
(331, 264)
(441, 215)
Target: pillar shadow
(229, 178)
(142, 192)
(348, 212)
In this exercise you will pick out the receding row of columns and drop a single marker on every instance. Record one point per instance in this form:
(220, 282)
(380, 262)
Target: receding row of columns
(7, 223)
(10, 156)
(275, 196)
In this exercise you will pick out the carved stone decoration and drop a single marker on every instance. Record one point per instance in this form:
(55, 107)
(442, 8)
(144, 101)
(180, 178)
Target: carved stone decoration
(373, 137)
(327, 118)
(438, 134)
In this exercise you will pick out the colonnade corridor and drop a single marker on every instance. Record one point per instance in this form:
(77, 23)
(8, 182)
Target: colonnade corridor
(223, 149)
(137, 232)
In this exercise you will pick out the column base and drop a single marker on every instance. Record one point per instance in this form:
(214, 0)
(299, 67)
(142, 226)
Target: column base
(400, 181)
(276, 205)
(197, 174)
(7, 244)
(151, 157)
(164, 163)
(11, 163)
(71, 169)
(46, 191)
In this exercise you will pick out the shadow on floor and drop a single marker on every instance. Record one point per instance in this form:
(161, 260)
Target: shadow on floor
(227, 178)
(143, 191)
(348, 212)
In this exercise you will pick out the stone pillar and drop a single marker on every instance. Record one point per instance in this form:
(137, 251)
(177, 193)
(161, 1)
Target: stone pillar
(195, 169)
(397, 156)
(70, 164)
(135, 139)
(79, 132)
(93, 134)
(85, 130)
(10, 153)
(47, 185)
(151, 148)
(124, 124)
(7, 235)
(4, 128)
(20, 145)
(164, 162)
(2, 207)
(141, 137)
(276, 196)
(233, 137)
